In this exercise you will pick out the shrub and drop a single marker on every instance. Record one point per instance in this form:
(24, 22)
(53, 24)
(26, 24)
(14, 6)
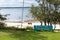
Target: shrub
(2, 25)
(29, 28)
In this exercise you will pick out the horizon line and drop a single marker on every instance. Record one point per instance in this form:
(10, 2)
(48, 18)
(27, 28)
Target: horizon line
(12, 7)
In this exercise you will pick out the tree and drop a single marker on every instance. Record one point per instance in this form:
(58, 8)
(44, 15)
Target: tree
(45, 11)
(2, 18)
(36, 13)
(40, 12)
(55, 14)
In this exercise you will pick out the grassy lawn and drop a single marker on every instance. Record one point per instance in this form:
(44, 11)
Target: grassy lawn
(25, 35)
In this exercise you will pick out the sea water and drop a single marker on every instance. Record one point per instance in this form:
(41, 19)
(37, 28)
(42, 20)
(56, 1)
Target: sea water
(16, 13)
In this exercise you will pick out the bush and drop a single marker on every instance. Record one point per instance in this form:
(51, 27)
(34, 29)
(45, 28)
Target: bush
(29, 28)
(2, 25)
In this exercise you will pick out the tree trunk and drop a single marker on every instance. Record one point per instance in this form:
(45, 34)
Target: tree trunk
(45, 22)
(54, 26)
(48, 23)
(41, 23)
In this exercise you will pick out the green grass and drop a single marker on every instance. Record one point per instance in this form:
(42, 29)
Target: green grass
(25, 35)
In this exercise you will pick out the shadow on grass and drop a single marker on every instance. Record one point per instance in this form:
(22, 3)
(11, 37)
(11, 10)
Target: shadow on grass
(24, 35)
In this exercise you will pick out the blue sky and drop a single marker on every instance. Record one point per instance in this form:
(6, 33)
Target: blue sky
(16, 3)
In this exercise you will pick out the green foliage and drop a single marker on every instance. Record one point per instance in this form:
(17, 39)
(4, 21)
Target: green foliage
(29, 28)
(46, 13)
(2, 25)
(55, 2)
(10, 28)
(2, 18)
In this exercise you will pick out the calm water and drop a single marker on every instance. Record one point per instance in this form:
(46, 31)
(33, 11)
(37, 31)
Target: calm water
(16, 13)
